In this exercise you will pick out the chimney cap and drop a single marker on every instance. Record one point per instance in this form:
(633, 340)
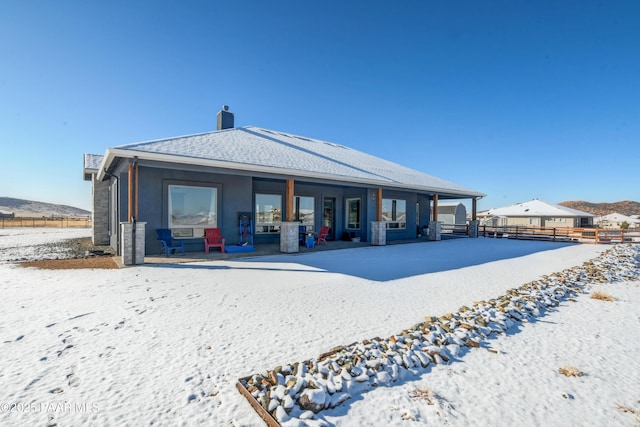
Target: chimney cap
(225, 107)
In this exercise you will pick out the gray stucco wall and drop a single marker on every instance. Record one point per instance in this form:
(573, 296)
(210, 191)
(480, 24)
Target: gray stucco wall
(115, 194)
(425, 210)
(319, 193)
(236, 193)
(410, 231)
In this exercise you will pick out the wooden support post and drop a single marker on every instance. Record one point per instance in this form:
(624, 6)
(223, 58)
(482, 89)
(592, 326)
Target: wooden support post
(135, 204)
(379, 204)
(474, 209)
(130, 193)
(289, 205)
(435, 207)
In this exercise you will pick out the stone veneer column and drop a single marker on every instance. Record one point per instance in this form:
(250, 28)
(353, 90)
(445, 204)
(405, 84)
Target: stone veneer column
(126, 242)
(435, 230)
(289, 242)
(100, 212)
(378, 233)
(473, 228)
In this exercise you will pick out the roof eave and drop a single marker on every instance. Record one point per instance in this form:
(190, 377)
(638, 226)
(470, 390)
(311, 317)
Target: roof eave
(108, 158)
(113, 153)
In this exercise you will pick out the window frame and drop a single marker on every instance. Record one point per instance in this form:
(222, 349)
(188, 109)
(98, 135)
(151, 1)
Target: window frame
(309, 223)
(191, 230)
(347, 210)
(273, 226)
(393, 223)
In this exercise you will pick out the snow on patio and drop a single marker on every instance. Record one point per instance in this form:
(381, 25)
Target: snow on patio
(165, 344)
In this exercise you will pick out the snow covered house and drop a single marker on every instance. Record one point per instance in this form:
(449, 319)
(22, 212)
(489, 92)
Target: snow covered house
(7, 214)
(615, 220)
(536, 213)
(189, 183)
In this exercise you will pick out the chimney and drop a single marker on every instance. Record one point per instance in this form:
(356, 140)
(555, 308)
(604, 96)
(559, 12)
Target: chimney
(225, 118)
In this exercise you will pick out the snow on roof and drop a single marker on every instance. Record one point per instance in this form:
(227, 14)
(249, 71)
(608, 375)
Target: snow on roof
(92, 164)
(256, 149)
(617, 217)
(449, 208)
(535, 208)
(92, 161)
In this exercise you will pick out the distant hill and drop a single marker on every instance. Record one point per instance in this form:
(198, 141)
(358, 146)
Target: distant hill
(625, 207)
(30, 208)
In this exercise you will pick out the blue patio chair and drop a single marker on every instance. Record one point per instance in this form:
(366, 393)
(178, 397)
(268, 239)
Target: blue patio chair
(302, 233)
(168, 243)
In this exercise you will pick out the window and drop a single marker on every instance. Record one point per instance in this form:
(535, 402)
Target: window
(394, 212)
(192, 209)
(353, 214)
(305, 211)
(268, 213)
(557, 220)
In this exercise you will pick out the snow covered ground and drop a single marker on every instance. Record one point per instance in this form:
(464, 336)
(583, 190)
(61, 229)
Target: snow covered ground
(165, 344)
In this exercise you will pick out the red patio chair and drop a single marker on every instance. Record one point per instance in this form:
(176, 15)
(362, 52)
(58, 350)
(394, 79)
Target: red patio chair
(212, 239)
(322, 235)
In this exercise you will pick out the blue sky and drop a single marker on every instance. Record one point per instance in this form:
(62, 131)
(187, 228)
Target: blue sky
(516, 99)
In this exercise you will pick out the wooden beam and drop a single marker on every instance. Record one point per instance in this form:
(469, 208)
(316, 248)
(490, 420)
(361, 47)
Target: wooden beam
(130, 193)
(435, 207)
(289, 197)
(379, 204)
(474, 209)
(135, 203)
(266, 416)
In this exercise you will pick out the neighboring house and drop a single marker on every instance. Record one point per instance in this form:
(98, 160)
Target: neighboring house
(193, 182)
(615, 220)
(452, 213)
(7, 214)
(536, 213)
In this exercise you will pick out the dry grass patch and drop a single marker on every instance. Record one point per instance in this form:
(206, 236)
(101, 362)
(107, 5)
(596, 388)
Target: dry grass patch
(627, 410)
(424, 394)
(72, 264)
(570, 371)
(602, 296)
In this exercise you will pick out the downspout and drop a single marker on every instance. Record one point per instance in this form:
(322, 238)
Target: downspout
(117, 208)
(133, 207)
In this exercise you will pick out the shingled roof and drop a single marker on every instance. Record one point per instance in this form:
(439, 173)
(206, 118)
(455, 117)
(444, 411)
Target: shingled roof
(534, 208)
(255, 149)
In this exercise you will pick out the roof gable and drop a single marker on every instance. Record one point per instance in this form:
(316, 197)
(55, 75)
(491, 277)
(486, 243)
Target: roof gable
(537, 208)
(92, 164)
(617, 217)
(92, 161)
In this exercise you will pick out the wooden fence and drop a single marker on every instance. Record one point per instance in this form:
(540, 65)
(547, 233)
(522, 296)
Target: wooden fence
(76, 222)
(457, 229)
(562, 234)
